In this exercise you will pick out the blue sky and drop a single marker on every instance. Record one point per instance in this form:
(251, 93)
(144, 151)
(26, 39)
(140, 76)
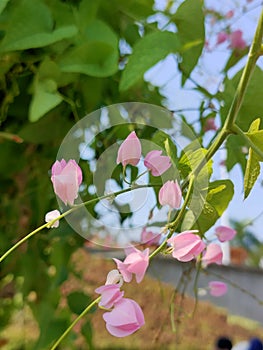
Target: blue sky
(167, 76)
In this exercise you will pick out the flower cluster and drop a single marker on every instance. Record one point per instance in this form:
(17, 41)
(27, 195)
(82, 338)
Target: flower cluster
(124, 315)
(136, 262)
(234, 38)
(130, 152)
(187, 246)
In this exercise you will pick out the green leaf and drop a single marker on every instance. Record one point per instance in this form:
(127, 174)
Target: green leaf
(235, 153)
(190, 160)
(51, 323)
(253, 167)
(3, 4)
(163, 140)
(171, 151)
(78, 301)
(8, 153)
(252, 104)
(48, 69)
(187, 130)
(43, 131)
(8, 60)
(257, 139)
(44, 99)
(213, 204)
(51, 332)
(137, 9)
(31, 25)
(189, 19)
(96, 53)
(235, 57)
(167, 145)
(148, 51)
(124, 211)
(86, 330)
(86, 13)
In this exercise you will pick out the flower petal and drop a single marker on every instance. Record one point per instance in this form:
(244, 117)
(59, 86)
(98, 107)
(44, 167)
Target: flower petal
(130, 150)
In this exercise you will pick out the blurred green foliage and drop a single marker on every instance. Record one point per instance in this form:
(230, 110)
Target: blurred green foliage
(59, 61)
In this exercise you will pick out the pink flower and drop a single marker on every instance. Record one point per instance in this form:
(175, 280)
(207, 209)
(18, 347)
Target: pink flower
(186, 246)
(156, 163)
(225, 233)
(126, 318)
(50, 216)
(66, 178)
(213, 254)
(217, 288)
(114, 277)
(210, 124)
(130, 150)
(135, 262)
(171, 194)
(221, 37)
(149, 237)
(236, 40)
(229, 14)
(110, 295)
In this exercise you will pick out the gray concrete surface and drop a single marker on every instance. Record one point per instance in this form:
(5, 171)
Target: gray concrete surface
(245, 285)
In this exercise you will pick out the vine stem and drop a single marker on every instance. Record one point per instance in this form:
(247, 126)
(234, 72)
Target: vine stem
(71, 210)
(23, 240)
(229, 126)
(253, 55)
(66, 332)
(157, 250)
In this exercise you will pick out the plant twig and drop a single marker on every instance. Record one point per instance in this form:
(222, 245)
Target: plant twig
(71, 210)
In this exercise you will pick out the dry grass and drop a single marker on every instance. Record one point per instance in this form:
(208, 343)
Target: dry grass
(192, 331)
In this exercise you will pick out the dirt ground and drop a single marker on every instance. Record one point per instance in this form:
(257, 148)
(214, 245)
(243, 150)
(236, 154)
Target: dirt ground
(183, 329)
(192, 330)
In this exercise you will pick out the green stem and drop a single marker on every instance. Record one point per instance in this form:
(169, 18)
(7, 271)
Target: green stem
(73, 107)
(253, 55)
(255, 148)
(172, 314)
(124, 176)
(23, 240)
(211, 151)
(143, 173)
(74, 208)
(176, 221)
(173, 225)
(198, 270)
(84, 312)
(229, 124)
(11, 137)
(159, 249)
